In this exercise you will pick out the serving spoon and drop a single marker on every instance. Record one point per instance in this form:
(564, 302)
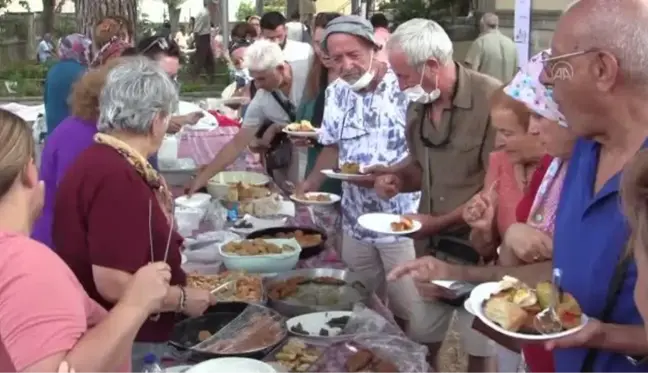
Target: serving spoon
(547, 321)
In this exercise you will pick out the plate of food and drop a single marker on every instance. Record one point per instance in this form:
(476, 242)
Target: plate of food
(510, 307)
(311, 240)
(316, 198)
(235, 286)
(294, 355)
(320, 325)
(261, 255)
(348, 171)
(388, 223)
(301, 129)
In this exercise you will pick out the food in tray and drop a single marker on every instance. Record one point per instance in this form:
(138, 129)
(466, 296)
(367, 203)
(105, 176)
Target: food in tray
(243, 224)
(259, 332)
(304, 239)
(297, 356)
(335, 322)
(261, 207)
(404, 224)
(515, 305)
(338, 322)
(240, 192)
(351, 168)
(257, 246)
(367, 361)
(287, 288)
(314, 197)
(303, 126)
(248, 288)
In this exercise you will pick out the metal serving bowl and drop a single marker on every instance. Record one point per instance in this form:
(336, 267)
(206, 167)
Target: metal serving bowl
(291, 309)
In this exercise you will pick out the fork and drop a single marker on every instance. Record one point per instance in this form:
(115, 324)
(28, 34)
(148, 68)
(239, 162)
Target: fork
(547, 321)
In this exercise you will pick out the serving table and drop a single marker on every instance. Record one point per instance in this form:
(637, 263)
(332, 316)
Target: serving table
(202, 146)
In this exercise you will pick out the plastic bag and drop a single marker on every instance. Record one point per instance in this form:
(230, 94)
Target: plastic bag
(204, 248)
(217, 216)
(255, 329)
(188, 219)
(383, 339)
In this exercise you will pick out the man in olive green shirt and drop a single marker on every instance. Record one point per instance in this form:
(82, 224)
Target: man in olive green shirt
(493, 53)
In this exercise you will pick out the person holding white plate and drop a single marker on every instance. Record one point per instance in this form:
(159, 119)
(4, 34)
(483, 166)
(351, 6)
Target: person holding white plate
(364, 123)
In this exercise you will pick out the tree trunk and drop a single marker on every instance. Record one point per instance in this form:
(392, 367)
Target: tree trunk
(174, 18)
(48, 16)
(89, 12)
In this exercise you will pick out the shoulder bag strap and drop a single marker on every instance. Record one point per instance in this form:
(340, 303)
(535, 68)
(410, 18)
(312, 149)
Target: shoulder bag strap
(286, 105)
(610, 300)
(318, 109)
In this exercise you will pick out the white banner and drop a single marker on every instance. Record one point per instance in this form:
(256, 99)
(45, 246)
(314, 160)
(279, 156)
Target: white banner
(522, 30)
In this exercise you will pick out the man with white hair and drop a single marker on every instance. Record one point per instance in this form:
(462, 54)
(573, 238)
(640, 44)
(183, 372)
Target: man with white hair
(450, 137)
(280, 87)
(364, 123)
(493, 53)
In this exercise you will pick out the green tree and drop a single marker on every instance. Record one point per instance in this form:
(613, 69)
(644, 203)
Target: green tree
(442, 11)
(247, 9)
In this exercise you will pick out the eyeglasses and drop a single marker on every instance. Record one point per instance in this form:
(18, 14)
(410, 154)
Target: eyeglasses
(549, 61)
(161, 42)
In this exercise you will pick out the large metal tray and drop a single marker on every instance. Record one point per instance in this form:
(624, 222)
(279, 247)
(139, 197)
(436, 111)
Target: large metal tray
(290, 310)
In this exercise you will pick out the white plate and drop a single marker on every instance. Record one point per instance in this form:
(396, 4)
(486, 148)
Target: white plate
(381, 223)
(232, 364)
(340, 176)
(196, 200)
(444, 283)
(314, 322)
(333, 199)
(484, 291)
(468, 308)
(258, 224)
(312, 135)
(177, 368)
(232, 177)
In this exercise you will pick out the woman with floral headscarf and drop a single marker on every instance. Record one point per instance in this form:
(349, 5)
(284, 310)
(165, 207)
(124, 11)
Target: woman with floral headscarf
(112, 36)
(74, 56)
(524, 241)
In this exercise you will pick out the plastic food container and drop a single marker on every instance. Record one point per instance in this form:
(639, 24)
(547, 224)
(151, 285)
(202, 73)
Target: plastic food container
(270, 263)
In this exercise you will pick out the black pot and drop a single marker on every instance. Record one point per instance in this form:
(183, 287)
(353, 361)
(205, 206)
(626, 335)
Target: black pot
(307, 251)
(185, 333)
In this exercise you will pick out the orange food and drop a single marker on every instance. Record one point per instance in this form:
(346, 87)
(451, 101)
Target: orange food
(404, 224)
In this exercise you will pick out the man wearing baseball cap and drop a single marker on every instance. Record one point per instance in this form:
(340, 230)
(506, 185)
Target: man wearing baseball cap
(364, 123)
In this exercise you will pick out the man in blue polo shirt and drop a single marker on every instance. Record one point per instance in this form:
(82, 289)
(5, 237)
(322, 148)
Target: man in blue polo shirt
(600, 82)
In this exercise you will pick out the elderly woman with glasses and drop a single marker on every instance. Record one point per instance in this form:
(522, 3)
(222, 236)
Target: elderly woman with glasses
(113, 212)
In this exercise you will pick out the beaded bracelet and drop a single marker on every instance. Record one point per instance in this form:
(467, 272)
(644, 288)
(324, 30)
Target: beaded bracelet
(183, 299)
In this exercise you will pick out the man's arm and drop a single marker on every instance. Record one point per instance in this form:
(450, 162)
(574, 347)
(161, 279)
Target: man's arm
(474, 55)
(327, 159)
(228, 154)
(410, 173)
(530, 273)
(624, 339)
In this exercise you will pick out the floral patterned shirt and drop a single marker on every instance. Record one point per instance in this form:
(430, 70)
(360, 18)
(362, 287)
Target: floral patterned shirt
(368, 129)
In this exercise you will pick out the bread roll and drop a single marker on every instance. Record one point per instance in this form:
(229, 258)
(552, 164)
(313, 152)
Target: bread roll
(508, 315)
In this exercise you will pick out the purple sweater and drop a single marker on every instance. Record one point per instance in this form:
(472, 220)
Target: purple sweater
(62, 147)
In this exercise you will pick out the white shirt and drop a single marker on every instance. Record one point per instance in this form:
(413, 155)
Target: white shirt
(295, 30)
(296, 50)
(44, 51)
(203, 23)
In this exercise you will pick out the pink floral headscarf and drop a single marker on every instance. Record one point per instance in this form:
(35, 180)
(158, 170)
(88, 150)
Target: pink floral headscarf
(527, 88)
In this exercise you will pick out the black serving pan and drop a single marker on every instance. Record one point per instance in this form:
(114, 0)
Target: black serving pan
(185, 333)
(307, 251)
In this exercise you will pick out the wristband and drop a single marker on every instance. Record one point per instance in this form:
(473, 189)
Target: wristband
(183, 299)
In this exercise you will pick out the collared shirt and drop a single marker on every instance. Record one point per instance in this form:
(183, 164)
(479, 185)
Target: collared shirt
(494, 54)
(203, 23)
(590, 237)
(368, 129)
(455, 167)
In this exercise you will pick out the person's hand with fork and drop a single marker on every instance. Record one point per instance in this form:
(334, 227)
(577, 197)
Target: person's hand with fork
(479, 212)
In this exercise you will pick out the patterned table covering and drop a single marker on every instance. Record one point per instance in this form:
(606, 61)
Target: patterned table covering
(202, 146)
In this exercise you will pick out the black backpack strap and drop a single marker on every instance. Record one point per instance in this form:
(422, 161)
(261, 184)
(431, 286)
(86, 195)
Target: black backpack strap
(610, 300)
(286, 105)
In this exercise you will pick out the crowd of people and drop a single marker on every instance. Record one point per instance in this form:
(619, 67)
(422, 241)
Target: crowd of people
(509, 171)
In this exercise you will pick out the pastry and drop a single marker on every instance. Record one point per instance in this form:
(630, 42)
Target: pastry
(506, 314)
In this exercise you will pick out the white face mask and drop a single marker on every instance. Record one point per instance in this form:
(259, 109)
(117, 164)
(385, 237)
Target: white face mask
(418, 94)
(365, 79)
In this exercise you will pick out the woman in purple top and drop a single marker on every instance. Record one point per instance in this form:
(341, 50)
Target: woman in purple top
(69, 139)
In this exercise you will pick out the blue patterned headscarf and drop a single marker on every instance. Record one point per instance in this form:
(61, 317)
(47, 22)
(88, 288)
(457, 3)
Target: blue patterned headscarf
(76, 47)
(527, 88)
